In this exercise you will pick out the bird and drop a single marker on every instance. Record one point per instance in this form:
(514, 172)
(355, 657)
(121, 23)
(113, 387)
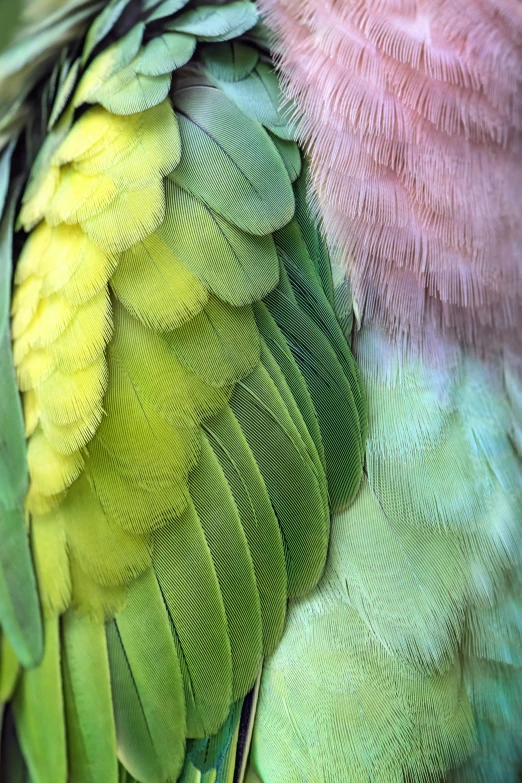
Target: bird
(261, 402)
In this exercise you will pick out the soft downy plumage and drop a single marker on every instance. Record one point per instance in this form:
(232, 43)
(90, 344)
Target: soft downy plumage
(199, 449)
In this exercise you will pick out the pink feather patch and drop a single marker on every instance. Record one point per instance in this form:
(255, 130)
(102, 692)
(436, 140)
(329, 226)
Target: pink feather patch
(411, 111)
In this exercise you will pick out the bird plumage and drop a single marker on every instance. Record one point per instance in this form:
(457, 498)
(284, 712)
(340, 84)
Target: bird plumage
(269, 494)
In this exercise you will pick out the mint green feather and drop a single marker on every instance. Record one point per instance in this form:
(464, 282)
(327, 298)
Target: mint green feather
(230, 163)
(217, 23)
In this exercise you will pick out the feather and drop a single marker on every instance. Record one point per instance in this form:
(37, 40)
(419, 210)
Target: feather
(252, 190)
(412, 115)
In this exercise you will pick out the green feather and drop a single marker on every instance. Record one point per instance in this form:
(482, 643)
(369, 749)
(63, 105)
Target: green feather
(220, 345)
(190, 588)
(214, 504)
(280, 452)
(217, 23)
(331, 395)
(229, 162)
(290, 155)
(258, 519)
(19, 610)
(236, 266)
(165, 54)
(9, 669)
(278, 347)
(161, 10)
(39, 713)
(258, 94)
(230, 61)
(12, 765)
(91, 735)
(102, 26)
(145, 666)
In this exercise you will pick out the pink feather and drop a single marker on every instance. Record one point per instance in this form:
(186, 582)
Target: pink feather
(411, 111)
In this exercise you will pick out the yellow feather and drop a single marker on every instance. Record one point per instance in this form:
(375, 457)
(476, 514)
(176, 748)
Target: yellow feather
(85, 338)
(142, 154)
(52, 563)
(53, 314)
(74, 264)
(31, 412)
(25, 304)
(79, 197)
(97, 131)
(67, 438)
(38, 196)
(33, 369)
(130, 217)
(32, 253)
(66, 398)
(156, 287)
(50, 471)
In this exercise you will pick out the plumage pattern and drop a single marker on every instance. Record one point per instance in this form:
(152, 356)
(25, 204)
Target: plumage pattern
(411, 111)
(182, 463)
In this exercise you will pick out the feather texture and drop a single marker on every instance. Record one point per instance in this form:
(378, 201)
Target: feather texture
(181, 467)
(412, 114)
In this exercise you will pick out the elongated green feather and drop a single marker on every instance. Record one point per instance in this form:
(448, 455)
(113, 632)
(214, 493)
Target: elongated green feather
(91, 735)
(257, 518)
(216, 509)
(19, 611)
(280, 452)
(39, 713)
(189, 585)
(143, 717)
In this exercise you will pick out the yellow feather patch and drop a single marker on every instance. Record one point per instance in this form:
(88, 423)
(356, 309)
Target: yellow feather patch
(52, 563)
(38, 196)
(50, 471)
(128, 219)
(31, 412)
(32, 253)
(107, 553)
(53, 314)
(85, 338)
(156, 287)
(80, 270)
(79, 197)
(67, 438)
(96, 132)
(138, 160)
(33, 369)
(25, 303)
(67, 398)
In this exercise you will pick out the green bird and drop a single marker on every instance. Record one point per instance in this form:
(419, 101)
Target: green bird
(255, 526)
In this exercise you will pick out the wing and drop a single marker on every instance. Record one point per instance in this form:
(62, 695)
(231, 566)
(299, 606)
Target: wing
(192, 408)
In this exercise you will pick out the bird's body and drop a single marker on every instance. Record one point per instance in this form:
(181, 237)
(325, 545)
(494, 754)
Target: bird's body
(253, 529)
